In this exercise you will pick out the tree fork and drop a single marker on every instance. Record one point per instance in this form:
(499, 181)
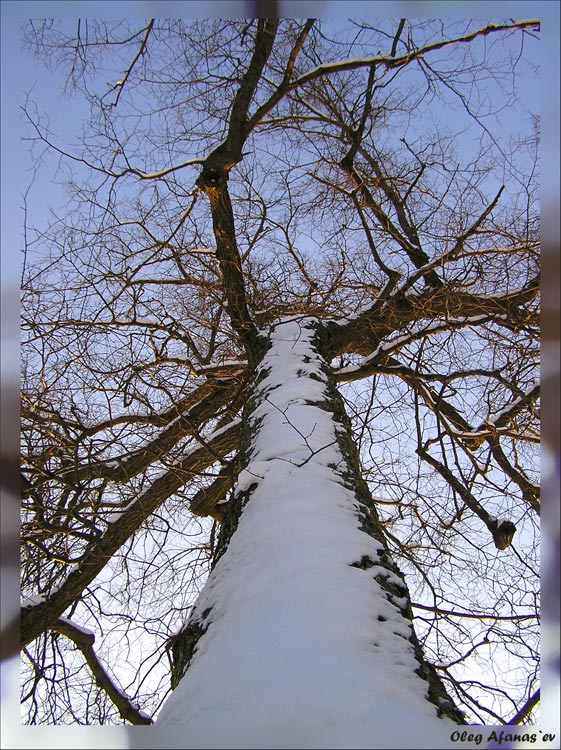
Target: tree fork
(214, 183)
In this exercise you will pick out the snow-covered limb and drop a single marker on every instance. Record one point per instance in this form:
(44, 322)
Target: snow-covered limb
(139, 53)
(380, 61)
(35, 619)
(185, 419)
(365, 331)
(503, 416)
(84, 639)
(475, 615)
(31, 601)
(142, 175)
(390, 61)
(378, 360)
(226, 367)
(65, 622)
(380, 354)
(210, 501)
(168, 480)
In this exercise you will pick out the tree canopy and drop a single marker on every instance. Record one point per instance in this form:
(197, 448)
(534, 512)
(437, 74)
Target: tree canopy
(378, 175)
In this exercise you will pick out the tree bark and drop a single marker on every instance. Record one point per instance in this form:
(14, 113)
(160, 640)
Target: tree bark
(301, 521)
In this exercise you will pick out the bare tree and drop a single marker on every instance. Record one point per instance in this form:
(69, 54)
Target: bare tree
(361, 190)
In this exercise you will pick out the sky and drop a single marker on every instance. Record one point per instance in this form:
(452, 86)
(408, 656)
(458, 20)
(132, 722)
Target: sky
(20, 75)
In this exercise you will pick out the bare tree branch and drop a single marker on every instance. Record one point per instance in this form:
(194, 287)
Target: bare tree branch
(35, 619)
(85, 640)
(526, 709)
(140, 52)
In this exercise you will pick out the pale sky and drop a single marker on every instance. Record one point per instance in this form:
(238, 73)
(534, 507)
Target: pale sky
(19, 74)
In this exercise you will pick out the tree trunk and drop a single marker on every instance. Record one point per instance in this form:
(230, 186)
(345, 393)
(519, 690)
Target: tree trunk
(302, 636)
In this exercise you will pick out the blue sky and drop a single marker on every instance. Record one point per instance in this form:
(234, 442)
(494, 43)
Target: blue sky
(20, 75)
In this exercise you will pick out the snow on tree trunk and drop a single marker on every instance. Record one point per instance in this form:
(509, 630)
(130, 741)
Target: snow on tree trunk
(302, 635)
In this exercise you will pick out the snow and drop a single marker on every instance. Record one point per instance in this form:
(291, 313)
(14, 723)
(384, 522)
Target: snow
(508, 408)
(37, 599)
(302, 649)
(81, 628)
(114, 515)
(241, 363)
(393, 344)
(501, 521)
(32, 601)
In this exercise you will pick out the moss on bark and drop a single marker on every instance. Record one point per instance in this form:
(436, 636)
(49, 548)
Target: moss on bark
(370, 523)
(185, 643)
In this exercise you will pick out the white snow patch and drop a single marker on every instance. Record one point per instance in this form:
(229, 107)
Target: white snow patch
(82, 629)
(32, 601)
